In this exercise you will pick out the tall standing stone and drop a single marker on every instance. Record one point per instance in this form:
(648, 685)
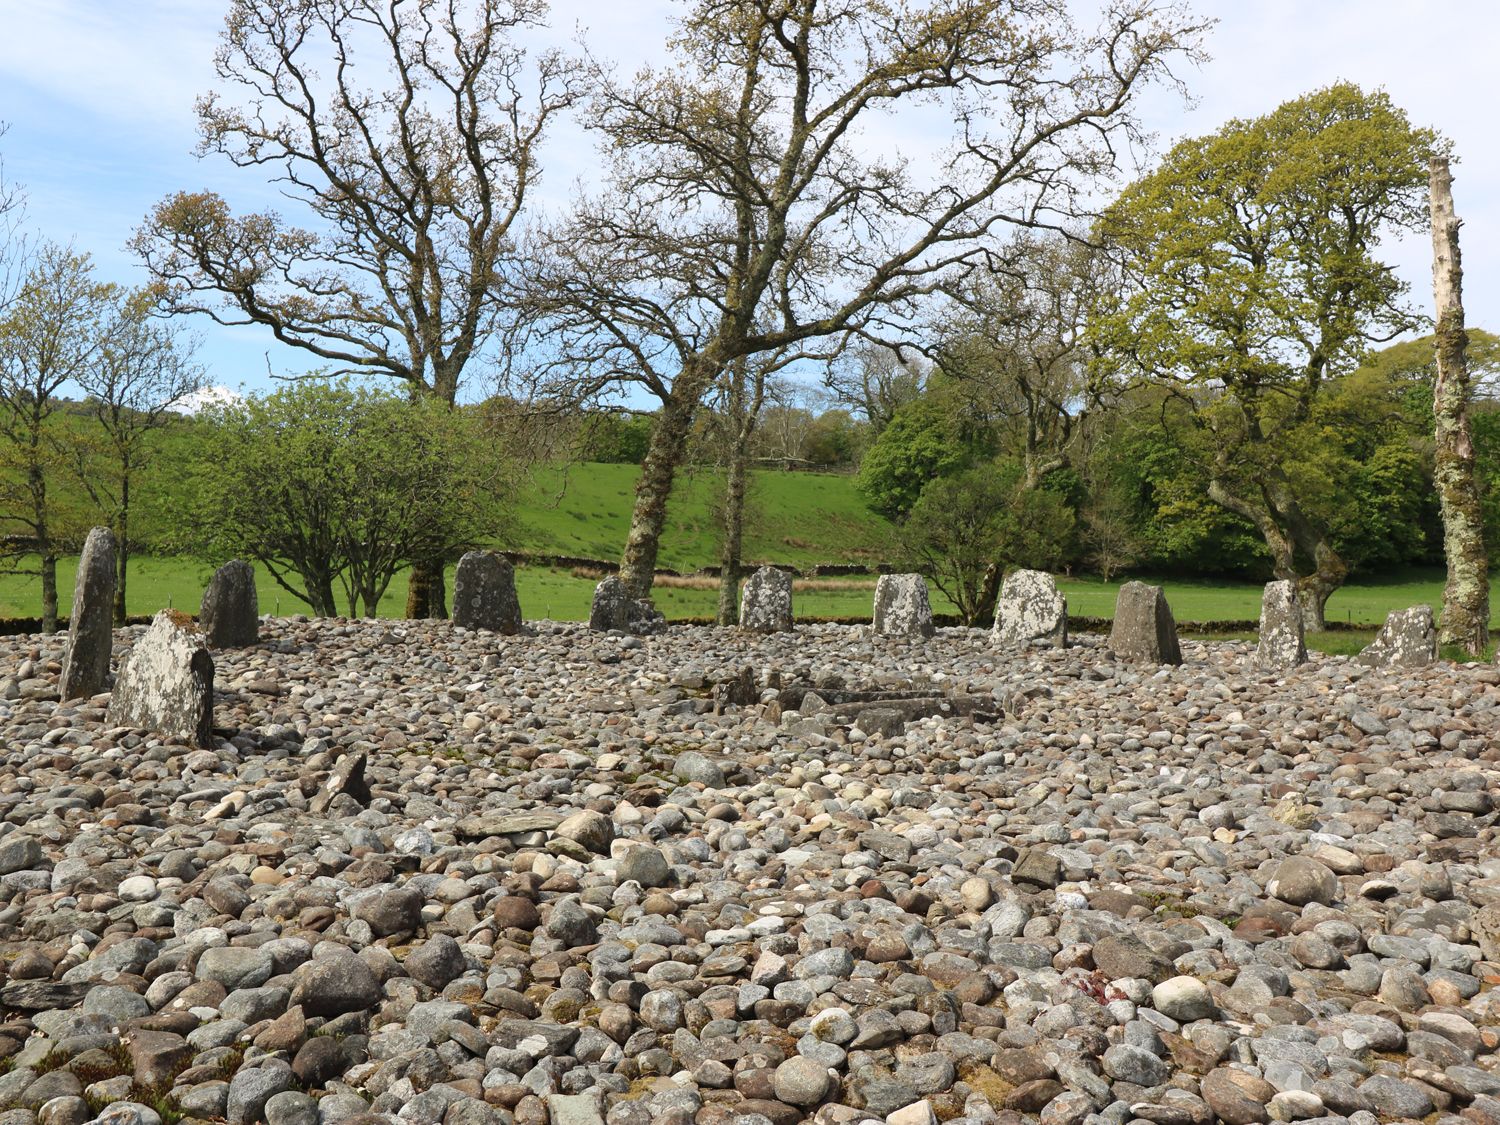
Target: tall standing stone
(766, 606)
(229, 615)
(1408, 639)
(1281, 640)
(1143, 628)
(1030, 610)
(484, 593)
(91, 624)
(167, 683)
(901, 606)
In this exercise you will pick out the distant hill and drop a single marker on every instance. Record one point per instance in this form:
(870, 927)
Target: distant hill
(794, 518)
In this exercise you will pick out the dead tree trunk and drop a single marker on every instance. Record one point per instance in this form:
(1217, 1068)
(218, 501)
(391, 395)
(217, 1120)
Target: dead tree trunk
(1466, 596)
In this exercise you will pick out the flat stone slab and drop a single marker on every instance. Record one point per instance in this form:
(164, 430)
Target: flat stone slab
(507, 824)
(1030, 610)
(901, 606)
(167, 684)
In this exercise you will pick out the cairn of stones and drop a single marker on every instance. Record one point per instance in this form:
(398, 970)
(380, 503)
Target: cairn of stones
(412, 886)
(901, 606)
(229, 616)
(166, 685)
(1281, 645)
(1030, 611)
(91, 624)
(1408, 639)
(1143, 629)
(484, 593)
(766, 604)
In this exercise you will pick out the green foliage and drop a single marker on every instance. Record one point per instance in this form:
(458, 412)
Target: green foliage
(615, 439)
(953, 533)
(329, 481)
(963, 525)
(923, 441)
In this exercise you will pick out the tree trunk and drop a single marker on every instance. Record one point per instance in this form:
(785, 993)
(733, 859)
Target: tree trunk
(734, 530)
(989, 594)
(321, 592)
(427, 590)
(49, 591)
(658, 472)
(122, 549)
(1466, 595)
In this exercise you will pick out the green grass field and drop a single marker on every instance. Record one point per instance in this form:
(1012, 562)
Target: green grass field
(795, 518)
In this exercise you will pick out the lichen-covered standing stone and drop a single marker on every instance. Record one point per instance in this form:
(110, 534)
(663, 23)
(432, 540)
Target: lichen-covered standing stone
(1031, 610)
(901, 606)
(1143, 628)
(614, 608)
(91, 624)
(229, 615)
(167, 683)
(766, 606)
(484, 593)
(1281, 640)
(1408, 639)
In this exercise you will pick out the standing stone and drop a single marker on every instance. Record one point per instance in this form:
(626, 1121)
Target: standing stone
(1031, 610)
(1408, 639)
(484, 593)
(1143, 628)
(229, 615)
(1281, 641)
(167, 684)
(767, 603)
(614, 608)
(901, 606)
(91, 625)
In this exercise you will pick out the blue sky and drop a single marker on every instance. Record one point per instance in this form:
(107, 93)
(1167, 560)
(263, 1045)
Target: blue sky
(99, 98)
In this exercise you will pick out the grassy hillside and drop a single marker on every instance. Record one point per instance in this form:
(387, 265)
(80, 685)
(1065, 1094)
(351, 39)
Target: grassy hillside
(796, 518)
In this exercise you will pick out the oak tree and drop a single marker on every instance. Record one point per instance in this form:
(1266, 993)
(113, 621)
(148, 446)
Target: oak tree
(754, 206)
(408, 132)
(1253, 278)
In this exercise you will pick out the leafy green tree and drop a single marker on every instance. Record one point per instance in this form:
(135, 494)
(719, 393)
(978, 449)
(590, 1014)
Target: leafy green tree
(1253, 279)
(51, 336)
(924, 440)
(144, 368)
(409, 135)
(330, 483)
(965, 525)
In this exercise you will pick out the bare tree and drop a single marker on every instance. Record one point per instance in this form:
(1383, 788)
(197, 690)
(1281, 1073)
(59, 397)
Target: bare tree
(1466, 597)
(875, 381)
(414, 188)
(745, 215)
(1014, 342)
(143, 369)
(50, 336)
